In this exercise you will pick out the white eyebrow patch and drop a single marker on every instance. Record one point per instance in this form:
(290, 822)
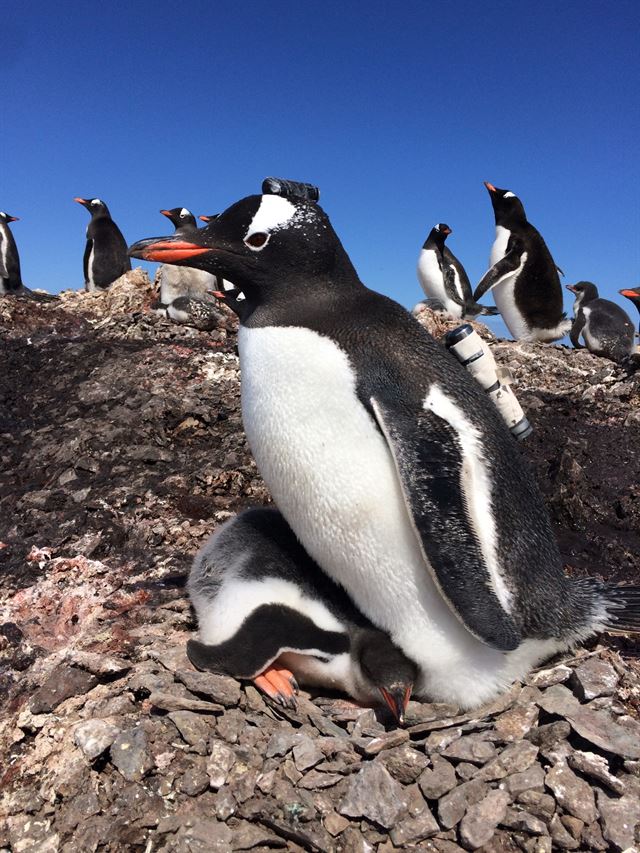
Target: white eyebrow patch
(273, 212)
(509, 195)
(96, 201)
(184, 212)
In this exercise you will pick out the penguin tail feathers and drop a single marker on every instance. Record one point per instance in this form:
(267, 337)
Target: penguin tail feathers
(621, 606)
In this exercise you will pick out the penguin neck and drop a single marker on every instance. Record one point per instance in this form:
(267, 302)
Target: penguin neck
(435, 241)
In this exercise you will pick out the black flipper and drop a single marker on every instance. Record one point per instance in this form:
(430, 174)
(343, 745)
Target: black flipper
(265, 634)
(576, 328)
(503, 268)
(474, 309)
(429, 461)
(85, 260)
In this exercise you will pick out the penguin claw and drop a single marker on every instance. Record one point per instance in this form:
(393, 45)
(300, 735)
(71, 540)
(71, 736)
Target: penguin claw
(279, 685)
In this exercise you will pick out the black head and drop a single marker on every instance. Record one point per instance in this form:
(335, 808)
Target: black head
(386, 668)
(437, 236)
(584, 291)
(269, 246)
(632, 293)
(7, 218)
(507, 207)
(95, 206)
(182, 218)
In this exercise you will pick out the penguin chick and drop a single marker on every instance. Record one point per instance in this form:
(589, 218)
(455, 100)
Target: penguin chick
(443, 278)
(267, 612)
(176, 282)
(606, 329)
(105, 254)
(194, 312)
(523, 276)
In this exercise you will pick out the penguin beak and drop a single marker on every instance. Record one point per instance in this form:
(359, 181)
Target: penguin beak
(13, 219)
(205, 218)
(217, 293)
(166, 213)
(166, 250)
(572, 288)
(82, 201)
(397, 699)
(630, 294)
(490, 187)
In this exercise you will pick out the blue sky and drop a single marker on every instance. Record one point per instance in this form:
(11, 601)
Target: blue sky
(397, 111)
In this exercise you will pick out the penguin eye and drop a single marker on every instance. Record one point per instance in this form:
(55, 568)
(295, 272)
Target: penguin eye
(257, 241)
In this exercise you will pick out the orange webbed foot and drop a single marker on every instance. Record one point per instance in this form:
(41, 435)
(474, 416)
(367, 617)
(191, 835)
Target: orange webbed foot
(279, 684)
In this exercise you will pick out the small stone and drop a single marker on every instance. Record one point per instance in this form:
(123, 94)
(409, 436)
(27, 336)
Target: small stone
(193, 782)
(94, 737)
(219, 688)
(194, 729)
(514, 724)
(247, 835)
(129, 754)
(466, 771)
(549, 735)
(572, 793)
(412, 830)
(540, 844)
(596, 767)
(558, 700)
(620, 736)
(437, 781)
(532, 778)
(174, 702)
(573, 826)
(225, 804)
(306, 754)
(335, 823)
(374, 794)
(524, 822)
(427, 712)
(562, 839)
(282, 741)
(405, 763)
(453, 806)
(619, 819)
(386, 741)
(221, 761)
(470, 748)
(314, 780)
(479, 823)
(63, 683)
(594, 677)
(592, 837)
(437, 741)
(540, 804)
(514, 759)
(549, 677)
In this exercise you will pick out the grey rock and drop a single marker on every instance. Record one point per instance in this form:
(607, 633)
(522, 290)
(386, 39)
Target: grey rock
(466, 771)
(426, 712)
(550, 734)
(470, 748)
(174, 702)
(334, 823)
(129, 754)
(562, 839)
(63, 683)
(592, 837)
(594, 677)
(619, 819)
(412, 830)
(315, 780)
(453, 806)
(219, 688)
(513, 759)
(573, 825)
(246, 836)
(539, 844)
(549, 677)
(94, 737)
(531, 778)
(620, 736)
(220, 762)
(192, 782)
(438, 780)
(514, 724)
(596, 767)
(439, 740)
(540, 804)
(386, 741)
(374, 794)
(524, 822)
(479, 823)
(225, 804)
(195, 729)
(405, 763)
(282, 741)
(572, 793)
(558, 700)
(306, 754)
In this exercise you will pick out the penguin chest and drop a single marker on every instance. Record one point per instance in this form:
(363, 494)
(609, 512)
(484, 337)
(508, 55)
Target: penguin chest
(504, 292)
(433, 283)
(3, 255)
(591, 339)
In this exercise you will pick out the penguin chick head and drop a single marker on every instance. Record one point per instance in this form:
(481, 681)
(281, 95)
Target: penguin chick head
(267, 245)
(584, 291)
(95, 206)
(180, 217)
(507, 207)
(6, 218)
(386, 669)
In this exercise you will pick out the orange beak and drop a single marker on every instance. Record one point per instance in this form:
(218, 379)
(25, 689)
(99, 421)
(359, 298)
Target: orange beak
(490, 187)
(630, 294)
(166, 251)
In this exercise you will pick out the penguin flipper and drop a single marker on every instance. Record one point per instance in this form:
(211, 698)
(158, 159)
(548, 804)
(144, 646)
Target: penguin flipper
(265, 634)
(576, 328)
(499, 271)
(429, 461)
(85, 259)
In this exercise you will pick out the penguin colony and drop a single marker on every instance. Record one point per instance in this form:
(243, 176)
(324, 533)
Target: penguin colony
(405, 513)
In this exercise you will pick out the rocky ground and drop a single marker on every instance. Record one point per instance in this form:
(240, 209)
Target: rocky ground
(121, 450)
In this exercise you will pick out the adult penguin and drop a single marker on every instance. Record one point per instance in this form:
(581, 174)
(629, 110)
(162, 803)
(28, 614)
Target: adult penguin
(388, 461)
(105, 254)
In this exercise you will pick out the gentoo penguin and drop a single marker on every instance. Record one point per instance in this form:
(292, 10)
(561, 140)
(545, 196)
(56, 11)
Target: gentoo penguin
(105, 255)
(10, 275)
(605, 328)
(176, 282)
(389, 462)
(632, 293)
(442, 277)
(195, 312)
(265, 609)
(523, 276)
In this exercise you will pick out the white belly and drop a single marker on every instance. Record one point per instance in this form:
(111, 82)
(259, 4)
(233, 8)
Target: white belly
(91, 285)
(503, 293)
(182, 281)
(432, 282)
(331, 474)
(592, 342)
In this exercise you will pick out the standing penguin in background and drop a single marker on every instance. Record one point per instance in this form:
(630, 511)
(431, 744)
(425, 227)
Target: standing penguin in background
(632, 293)
(443, 278)
(606, 329)
(10, 274)
(267, 612)
(105, 255)
(386, 458)
(523, 276)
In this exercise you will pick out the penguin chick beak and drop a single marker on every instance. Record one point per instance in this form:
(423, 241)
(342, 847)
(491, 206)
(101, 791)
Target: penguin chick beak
(204, 218)
(490, 187)
(166, 250)
(571, 288)
(397, 698)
